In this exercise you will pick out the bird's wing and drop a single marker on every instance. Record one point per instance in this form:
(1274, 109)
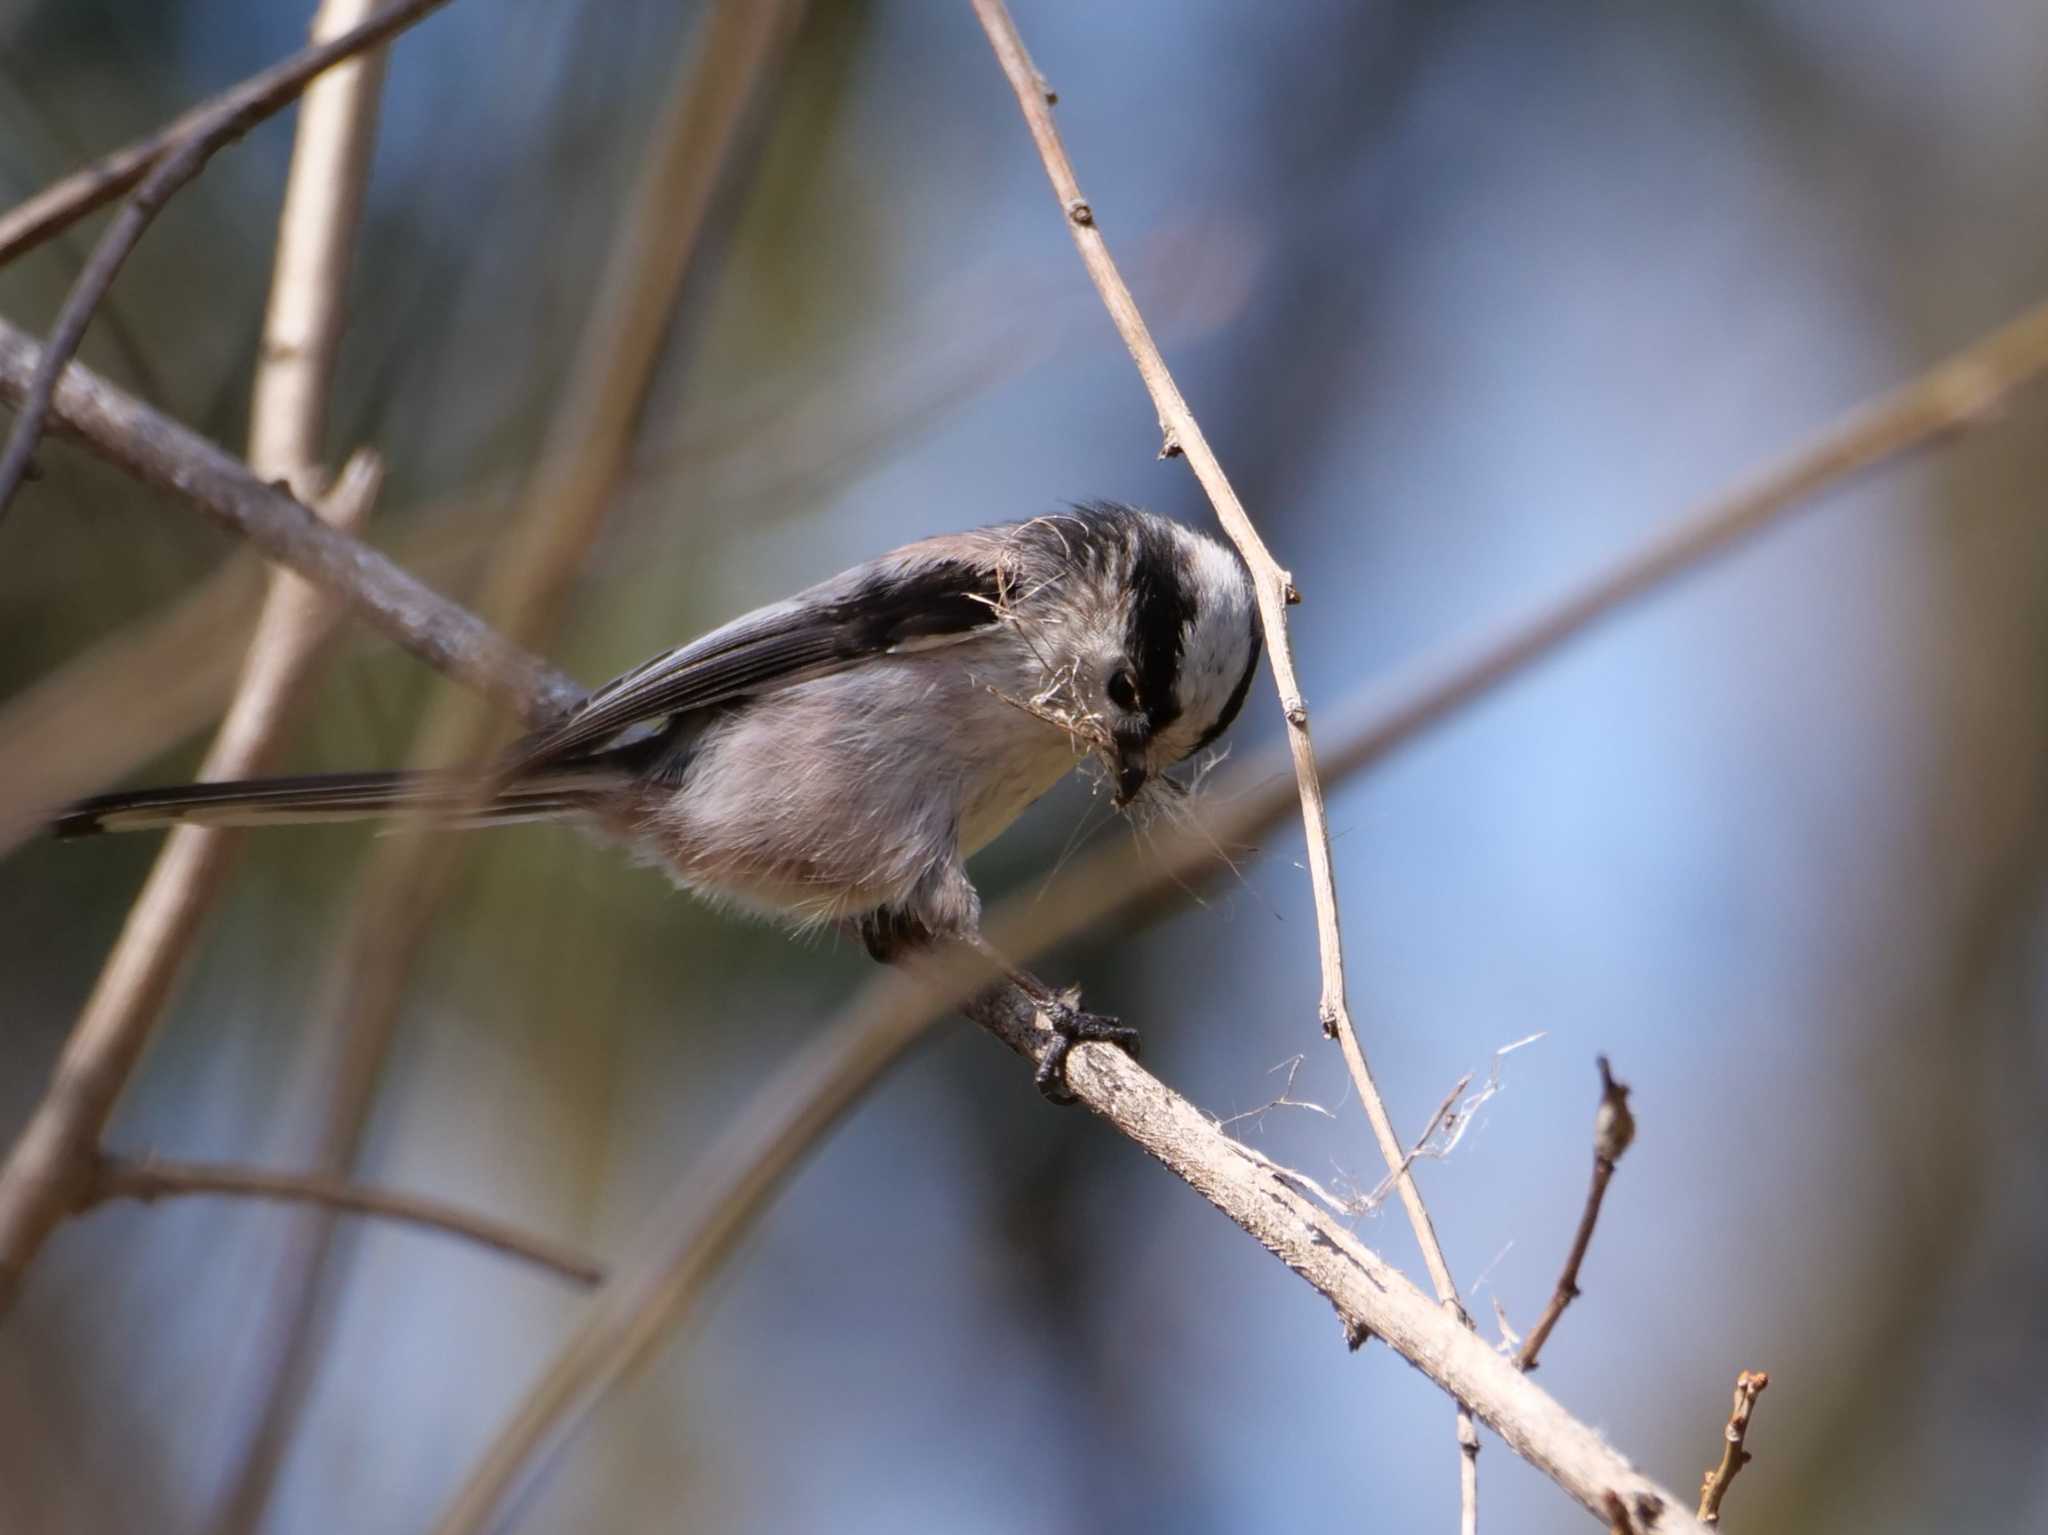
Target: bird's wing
(909, 600)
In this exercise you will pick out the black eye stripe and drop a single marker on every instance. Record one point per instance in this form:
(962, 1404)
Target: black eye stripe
(1162, 607)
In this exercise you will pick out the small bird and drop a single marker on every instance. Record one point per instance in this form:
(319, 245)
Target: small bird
(836, 758)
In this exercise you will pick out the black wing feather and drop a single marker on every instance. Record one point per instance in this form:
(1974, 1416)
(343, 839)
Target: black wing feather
(901, 598)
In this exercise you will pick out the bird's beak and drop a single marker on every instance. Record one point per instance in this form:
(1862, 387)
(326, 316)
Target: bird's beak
(1131, 774)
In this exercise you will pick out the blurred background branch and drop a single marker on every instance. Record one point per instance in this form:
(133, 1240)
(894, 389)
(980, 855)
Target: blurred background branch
(152, 1178)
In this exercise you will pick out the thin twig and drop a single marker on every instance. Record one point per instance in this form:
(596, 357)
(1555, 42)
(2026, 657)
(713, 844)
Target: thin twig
(1275, 586)
(151, 1178)
(61, 205)
(94, 278)
(53, 1156)
(1613, 1128)
(1749, 1385)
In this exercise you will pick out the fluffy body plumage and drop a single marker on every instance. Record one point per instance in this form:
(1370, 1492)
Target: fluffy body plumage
(838, 756)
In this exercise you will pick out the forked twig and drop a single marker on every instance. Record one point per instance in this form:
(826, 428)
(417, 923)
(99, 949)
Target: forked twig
(1613, 1128)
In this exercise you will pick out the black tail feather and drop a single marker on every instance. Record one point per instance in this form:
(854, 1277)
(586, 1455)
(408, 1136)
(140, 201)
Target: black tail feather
(323, 797)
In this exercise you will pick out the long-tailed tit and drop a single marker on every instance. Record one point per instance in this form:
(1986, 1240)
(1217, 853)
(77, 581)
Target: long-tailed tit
(836, 757)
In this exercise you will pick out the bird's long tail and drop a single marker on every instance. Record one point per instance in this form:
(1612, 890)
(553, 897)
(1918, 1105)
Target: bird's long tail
(339, 797)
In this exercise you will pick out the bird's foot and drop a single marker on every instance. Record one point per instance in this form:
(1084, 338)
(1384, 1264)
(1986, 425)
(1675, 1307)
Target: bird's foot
(1071, 1027)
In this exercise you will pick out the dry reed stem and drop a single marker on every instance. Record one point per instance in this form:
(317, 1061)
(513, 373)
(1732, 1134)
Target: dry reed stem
(181, 157)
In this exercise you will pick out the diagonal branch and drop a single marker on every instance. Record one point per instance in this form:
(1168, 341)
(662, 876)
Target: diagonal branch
(160, 452)
(1276, 591)
(152, 1178)
(58, 207)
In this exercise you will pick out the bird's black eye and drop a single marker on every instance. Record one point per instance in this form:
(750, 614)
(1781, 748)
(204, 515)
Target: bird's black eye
(1123, 690)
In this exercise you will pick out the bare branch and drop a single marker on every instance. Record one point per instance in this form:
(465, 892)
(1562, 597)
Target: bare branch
(53, 1157)
(1369, 1295)
(263, 95)
(162, 453)
(152, 1178)
(1182, 437)
(1749, 1385)
(1613, 1128)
